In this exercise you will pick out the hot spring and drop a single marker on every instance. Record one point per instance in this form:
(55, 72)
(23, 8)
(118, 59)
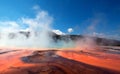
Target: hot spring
(30, 33)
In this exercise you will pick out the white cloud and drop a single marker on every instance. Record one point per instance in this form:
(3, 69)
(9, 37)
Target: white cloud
(70, 30)
(58, 32)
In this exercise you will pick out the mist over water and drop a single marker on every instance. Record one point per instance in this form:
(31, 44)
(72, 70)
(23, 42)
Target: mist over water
(34, 35)
(86, 43)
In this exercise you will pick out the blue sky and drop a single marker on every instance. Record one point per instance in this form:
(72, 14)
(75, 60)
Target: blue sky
(99, 17)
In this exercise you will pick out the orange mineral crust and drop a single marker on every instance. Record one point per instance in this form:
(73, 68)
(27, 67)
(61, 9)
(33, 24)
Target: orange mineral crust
(108, 61)
(65, 61)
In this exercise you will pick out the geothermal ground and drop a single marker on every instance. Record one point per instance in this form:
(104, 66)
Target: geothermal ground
(105, 60)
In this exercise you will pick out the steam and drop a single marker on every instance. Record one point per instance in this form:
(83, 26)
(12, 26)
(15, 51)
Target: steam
(86, 43)
(34, 33)
(11, 32)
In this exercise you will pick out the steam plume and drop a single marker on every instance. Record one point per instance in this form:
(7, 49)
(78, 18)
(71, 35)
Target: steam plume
(11, 34)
